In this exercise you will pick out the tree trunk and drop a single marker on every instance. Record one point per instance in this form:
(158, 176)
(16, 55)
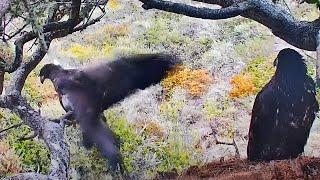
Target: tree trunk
(318, 60)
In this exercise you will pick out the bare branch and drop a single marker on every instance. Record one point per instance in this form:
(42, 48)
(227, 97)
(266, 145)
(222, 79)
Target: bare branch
(11, 127)
(10, 36)
(197, 12)
(20, 75)
(89, 23)
(214, 134)
(301, 34)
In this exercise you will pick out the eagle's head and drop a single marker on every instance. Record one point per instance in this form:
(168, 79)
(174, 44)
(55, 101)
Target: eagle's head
(290, 61)
(46, 71)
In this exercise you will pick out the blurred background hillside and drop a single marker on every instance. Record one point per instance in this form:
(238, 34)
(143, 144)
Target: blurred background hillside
(177, 123)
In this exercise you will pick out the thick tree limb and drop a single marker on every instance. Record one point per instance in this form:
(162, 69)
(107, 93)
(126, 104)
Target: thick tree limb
(51, 133)
(300, 34)
(318, 61)
(204, 13)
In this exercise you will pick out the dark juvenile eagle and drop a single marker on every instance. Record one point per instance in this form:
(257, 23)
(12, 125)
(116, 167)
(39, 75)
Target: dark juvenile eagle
(283, 111)
(88, 91)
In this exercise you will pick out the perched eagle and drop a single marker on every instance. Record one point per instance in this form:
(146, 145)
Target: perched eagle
(88, 91)
(283, 111)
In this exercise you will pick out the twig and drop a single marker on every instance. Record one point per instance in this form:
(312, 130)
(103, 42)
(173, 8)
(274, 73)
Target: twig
(17, 32)
(14, 126)
(34, 42)
(214, 134)
(285, 3)
(237, 149)
(309, 56)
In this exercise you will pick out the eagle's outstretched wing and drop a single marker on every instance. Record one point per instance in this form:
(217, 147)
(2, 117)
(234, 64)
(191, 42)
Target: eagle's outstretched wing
(122, 77)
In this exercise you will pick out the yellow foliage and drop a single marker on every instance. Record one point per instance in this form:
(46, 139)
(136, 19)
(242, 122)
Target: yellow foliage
(9, 161)
(81, 52)
(113, 4)
(242, 86)
(196, 82)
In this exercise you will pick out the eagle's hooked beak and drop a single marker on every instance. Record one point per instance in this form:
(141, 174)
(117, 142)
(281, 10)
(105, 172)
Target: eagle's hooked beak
(275, 62)
(42, 78)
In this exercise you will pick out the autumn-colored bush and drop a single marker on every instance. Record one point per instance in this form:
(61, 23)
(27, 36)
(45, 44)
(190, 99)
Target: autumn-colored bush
(9, 161)
(113, 4)
(195, 81)
(116, 31)
(150, 128)
(242, 86)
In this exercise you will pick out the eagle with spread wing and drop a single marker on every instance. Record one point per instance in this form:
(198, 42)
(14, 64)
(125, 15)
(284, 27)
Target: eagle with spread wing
(87, 92)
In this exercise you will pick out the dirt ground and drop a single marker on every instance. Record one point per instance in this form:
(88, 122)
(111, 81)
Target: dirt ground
(300, 168)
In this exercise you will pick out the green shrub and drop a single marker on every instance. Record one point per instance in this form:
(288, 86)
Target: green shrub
(161, 33)
(170, 152)
(255, 47)
(33, 153)
(129, 139)
(213, 108)
(261, 70)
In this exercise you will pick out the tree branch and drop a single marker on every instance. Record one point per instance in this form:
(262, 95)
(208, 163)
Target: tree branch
(13, 126)
(50, 132)
(192, 11)
(318, 61)
(301, 34)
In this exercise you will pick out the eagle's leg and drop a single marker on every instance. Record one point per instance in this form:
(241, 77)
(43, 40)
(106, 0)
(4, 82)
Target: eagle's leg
(67, 119)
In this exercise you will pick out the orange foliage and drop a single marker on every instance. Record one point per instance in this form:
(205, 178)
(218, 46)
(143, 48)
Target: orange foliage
(116, 31)
(196, 82)
(242, 86)
(9, 161)
(151, 128)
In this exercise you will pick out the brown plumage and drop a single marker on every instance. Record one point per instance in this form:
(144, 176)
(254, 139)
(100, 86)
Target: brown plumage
(283, 111)
(88, 91)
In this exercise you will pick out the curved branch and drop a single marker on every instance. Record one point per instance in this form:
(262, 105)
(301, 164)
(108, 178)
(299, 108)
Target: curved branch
(52, 134)
(197, 12)
(13, 126)
(301, 34)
